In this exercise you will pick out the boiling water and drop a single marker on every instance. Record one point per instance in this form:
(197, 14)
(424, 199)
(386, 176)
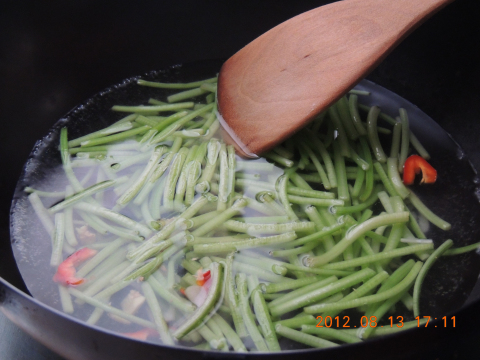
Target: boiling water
(452, 197)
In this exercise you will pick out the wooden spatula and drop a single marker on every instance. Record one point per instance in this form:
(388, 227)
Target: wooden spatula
(276, 84)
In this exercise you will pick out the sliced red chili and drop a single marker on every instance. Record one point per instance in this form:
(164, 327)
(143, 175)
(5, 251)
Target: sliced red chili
(416, 164)
(141, 334)
(66, 270)
(202, 278)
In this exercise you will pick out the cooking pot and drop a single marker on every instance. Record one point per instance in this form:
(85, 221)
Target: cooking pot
(54, 57)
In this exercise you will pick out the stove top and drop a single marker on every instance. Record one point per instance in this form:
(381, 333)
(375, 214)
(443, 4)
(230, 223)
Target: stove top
(40, 60)
(17, 345)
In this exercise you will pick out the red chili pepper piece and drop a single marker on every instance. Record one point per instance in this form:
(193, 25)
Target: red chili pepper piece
(66, 270)
(202, 277)
(141, 334)
(413, 165)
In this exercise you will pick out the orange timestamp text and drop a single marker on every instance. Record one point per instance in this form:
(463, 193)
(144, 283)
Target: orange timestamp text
(371, 321)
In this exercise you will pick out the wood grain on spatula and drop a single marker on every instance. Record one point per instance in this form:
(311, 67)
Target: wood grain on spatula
(276, 84)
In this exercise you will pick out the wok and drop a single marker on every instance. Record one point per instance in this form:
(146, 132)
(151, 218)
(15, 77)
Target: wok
(54, 58)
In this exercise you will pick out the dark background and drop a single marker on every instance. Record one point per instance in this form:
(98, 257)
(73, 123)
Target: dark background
(56, 54)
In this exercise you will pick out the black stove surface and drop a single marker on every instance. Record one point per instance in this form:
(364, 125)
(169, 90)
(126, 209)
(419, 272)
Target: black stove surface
(17, 345)
(55, 55)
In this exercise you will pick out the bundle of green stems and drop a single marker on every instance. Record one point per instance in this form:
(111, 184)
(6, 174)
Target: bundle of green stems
(320, 225)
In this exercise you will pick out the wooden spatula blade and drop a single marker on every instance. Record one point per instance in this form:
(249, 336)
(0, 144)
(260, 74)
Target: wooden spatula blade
(276, 84)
